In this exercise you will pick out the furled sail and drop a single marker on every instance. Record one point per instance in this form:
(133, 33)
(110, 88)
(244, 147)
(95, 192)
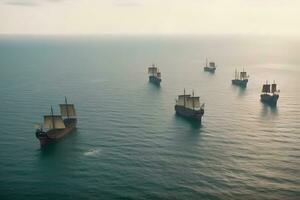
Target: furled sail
(266, 88)
(212, 64)
(67, 110)
(243, 75)
(53, 122)
(152, 70)
(274, 87)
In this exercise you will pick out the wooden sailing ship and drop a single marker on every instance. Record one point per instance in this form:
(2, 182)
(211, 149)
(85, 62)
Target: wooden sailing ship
(189, 106)
(55, 127)
(240, 78)
(210, 67)
(269, 94)
(154, 74)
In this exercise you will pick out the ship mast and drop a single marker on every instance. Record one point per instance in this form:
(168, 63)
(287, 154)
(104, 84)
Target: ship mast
(66, 102)
(265, 86)
(193, 101)
(274, 87)
(243, 74)
(153, 65)
(235, 72)
(53, 124)
(184, 97)
(206, 62)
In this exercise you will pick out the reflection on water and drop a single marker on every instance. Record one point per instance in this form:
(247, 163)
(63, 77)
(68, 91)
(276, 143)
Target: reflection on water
(154, 85)
(210, 73)
(62, 146)
(269, 110)
(240, 90)
(195, 124)
(129, 143)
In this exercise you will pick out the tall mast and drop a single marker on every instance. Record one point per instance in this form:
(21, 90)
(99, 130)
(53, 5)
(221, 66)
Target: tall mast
(206, 62)
(193, 101)
(243, 74)
(184, 97)
(235, 74)
(153, 65)
(66, 102)
(53, 124)
(273, 91)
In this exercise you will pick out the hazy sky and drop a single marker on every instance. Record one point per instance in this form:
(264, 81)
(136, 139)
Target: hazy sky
(150, 16)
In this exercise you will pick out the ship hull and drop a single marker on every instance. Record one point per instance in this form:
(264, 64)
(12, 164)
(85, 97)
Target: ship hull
(270, 99)
(53, 135)
(241, 83)
(210, 69)
(189, 113)
(154, 79)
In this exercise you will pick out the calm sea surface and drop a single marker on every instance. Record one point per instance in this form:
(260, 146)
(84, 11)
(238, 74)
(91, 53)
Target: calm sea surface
(129, 143)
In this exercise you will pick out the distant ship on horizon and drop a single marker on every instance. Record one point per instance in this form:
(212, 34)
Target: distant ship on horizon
(240, 79)
(269, 94)
(210, 67)
(55, 127)
(189, 107)
(154, 74)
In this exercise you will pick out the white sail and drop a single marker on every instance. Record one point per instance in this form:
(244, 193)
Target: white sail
(189, 103)
(67, 110)
(53, 121)
(193, 102)
(182, 100)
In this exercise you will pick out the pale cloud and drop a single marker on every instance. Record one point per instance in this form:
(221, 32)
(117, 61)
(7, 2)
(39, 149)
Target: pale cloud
(27, 2)
(21, 3)
(127, 3)
(150, 16)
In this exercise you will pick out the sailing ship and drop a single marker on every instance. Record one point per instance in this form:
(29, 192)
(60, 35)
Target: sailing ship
(211, 67)
(240, 79)
(189, 106)
(154, 75)
(55, 127)
(269, 94)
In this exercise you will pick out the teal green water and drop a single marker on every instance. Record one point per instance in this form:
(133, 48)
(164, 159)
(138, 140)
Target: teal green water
(129, 143)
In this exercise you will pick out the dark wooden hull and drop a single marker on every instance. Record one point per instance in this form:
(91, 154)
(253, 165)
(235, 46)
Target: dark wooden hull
(270, 99)
(189, 113)
(53, 135)
(154, 79)
(210, 69)
(241, 83)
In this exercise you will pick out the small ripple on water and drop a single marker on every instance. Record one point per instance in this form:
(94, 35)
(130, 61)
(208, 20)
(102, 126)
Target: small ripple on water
(92, 152)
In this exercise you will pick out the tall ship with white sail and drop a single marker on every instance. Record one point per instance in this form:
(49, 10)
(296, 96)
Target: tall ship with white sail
(240, 78)
(210, 67)
(270, 94)
(154, 74)
(189, 106)
(55, 127)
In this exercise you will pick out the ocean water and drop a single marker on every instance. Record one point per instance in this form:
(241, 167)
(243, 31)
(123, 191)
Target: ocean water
(129, 143)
